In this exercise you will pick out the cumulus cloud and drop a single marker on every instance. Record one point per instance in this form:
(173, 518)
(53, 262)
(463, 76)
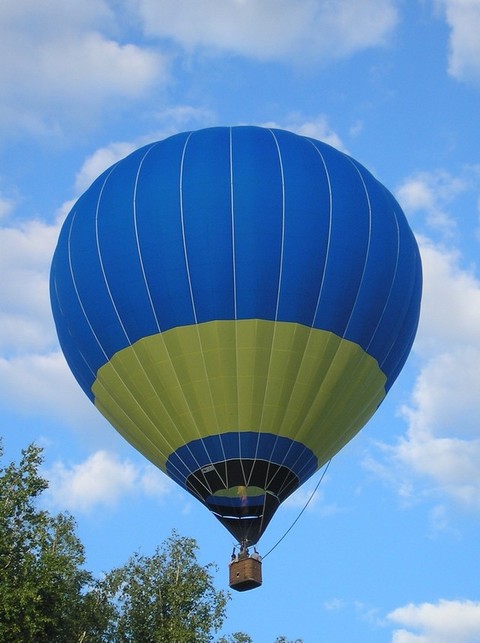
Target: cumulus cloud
(442, 442)
(102, 480)
(463, 19)
(25, 253)
(443, 439)
(273, 29)
(317, 127)
(99, 161)
(6, 206)
(432, 193)
(450, 316)
(41, 383)
(66, 62)
(441, 622)
(184, 116)
(438, 455)
(32, 369)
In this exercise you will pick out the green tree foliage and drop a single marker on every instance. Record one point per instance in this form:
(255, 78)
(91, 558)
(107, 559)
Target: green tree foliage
(168, 597)
(236, 637)
(240, 637)
(43, 585)
(47, 596)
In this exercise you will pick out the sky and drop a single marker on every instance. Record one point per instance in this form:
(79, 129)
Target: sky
(387, 550)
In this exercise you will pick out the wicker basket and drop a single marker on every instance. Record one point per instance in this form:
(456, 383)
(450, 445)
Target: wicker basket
(245, 573)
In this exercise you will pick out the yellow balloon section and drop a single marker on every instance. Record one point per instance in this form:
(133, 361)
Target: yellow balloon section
(230, 376)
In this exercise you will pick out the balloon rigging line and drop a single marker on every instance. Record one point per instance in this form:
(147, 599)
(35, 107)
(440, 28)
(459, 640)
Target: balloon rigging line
(301, 512)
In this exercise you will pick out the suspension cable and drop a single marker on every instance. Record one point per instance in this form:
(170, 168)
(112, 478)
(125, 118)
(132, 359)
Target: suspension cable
(301, 512)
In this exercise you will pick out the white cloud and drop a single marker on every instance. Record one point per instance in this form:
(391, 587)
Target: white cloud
(463, 18)
(317, 127)
(451, 463)
(334, 605)
(367, 613)
(34, 376)
(443, 622)
(446, 396)
(101, 66)
(450, 315)
(26, 250)
(439, 523)
(6, 206)
(41, 383)
(478, 213)
(442, 443)
(102, 480)
(273, 29)
(65, 64)
(185, 115)
(99, 161)
(432, 192)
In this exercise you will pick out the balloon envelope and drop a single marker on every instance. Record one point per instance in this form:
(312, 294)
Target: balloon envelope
(237, 303)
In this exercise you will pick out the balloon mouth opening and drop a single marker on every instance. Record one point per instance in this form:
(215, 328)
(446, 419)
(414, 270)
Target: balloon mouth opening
(244, 510)
(246, 520)
(240, 491)
(238, 502)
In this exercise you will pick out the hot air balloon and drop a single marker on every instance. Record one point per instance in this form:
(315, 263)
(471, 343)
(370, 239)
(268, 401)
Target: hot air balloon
(237, 302)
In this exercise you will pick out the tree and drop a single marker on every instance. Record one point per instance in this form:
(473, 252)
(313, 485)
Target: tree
(168, 597)
(236, 637)
(240, 637)
(45, 593)
(47, 596)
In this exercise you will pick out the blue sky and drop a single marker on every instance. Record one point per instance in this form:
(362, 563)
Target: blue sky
(387, 551)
